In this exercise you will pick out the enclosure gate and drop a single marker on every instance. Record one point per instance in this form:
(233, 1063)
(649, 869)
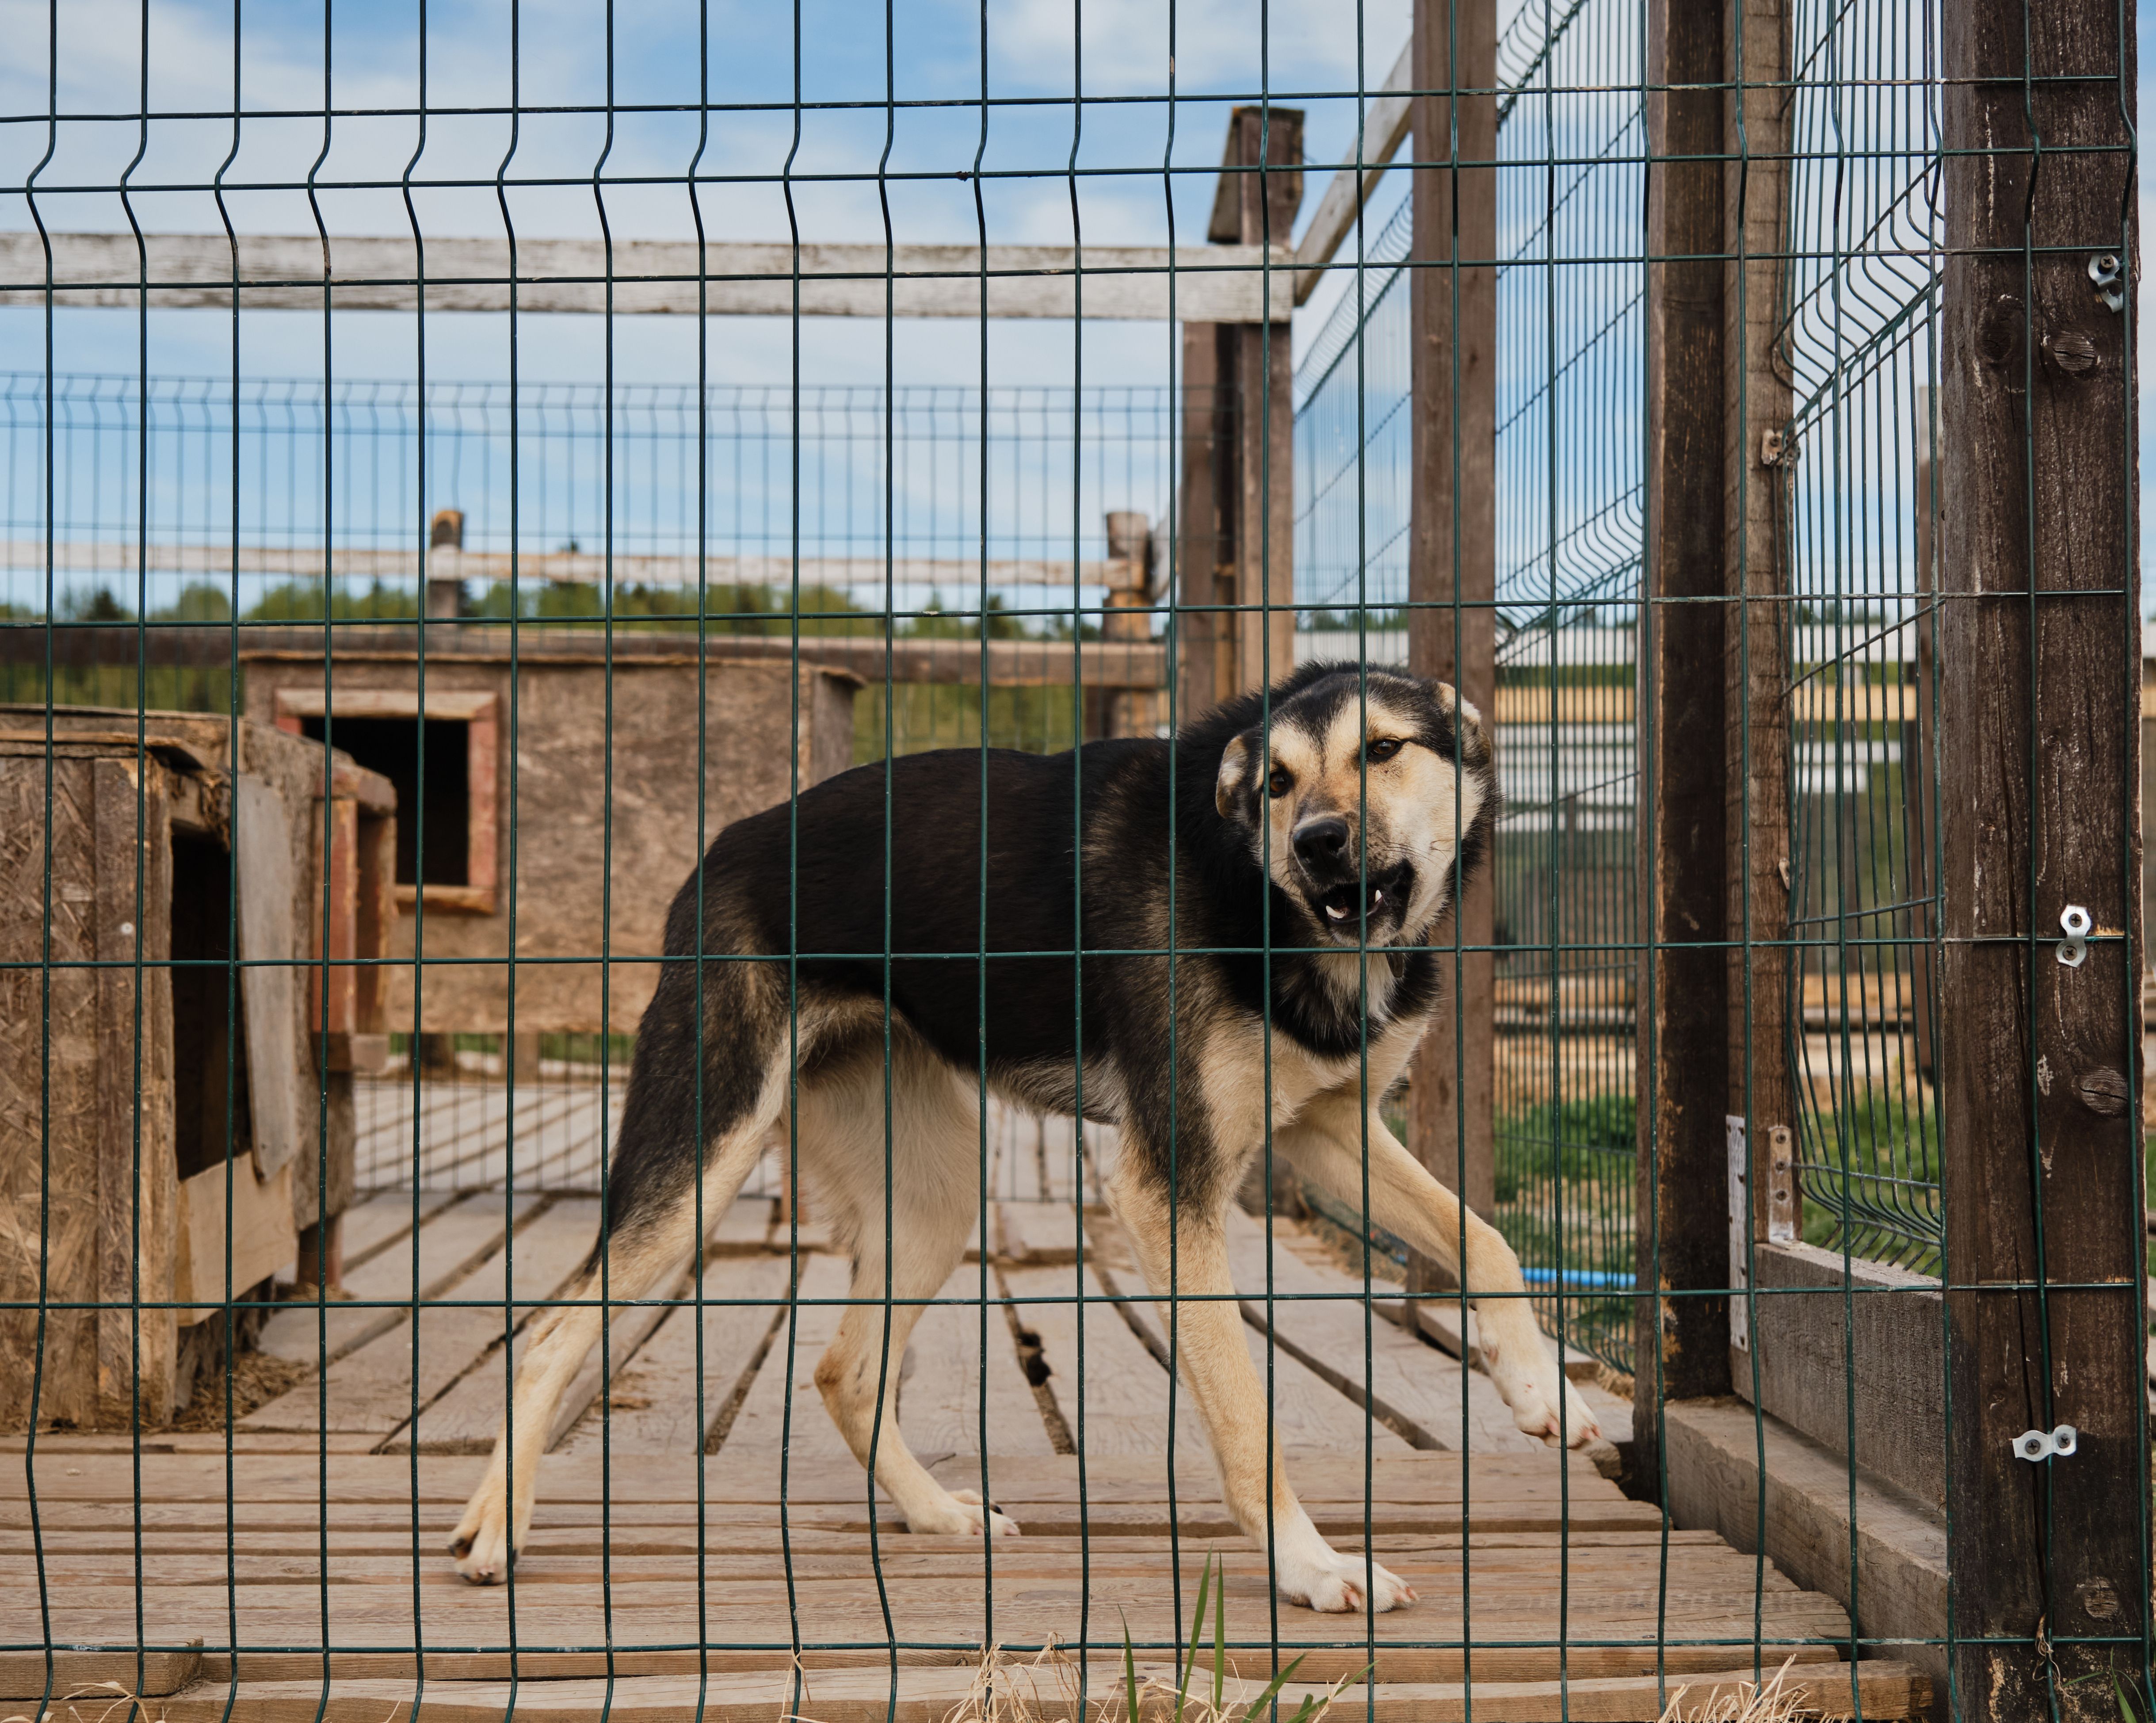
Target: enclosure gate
(1731, 401)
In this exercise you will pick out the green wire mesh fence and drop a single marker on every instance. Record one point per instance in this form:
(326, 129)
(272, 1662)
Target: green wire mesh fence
(463, 472)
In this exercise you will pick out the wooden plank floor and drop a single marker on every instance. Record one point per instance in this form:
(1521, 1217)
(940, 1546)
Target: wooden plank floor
(311, 1552)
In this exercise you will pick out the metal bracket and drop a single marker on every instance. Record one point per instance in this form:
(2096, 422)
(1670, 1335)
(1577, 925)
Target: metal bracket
(2109, 275)
(2073, 949)
(1771, 448)
(1740, 1231)
(1781, 1186)
(2059, 1444)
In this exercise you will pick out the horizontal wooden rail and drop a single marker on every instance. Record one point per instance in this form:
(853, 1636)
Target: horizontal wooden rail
(1208, 284)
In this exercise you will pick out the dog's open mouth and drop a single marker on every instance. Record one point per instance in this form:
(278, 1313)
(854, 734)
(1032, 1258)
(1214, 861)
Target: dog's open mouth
(1385, 895)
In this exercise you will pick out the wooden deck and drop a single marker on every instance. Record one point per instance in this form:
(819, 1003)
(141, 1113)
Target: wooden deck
(709, 1538)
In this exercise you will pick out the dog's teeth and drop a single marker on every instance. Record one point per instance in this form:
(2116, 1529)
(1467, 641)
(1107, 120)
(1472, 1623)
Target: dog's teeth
(1337, 914)
(1377, 897)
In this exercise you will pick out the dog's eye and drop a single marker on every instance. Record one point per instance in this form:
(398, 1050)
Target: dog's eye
(1382, 750)
(1279, 784)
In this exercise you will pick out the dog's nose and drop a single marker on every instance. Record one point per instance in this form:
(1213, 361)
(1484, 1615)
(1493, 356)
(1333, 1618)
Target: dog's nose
(1320, 841)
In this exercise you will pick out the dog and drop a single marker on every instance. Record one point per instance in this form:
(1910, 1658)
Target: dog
(1294, 850)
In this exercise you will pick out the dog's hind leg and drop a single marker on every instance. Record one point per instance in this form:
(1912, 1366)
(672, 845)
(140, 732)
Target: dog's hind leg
(934, 1155)
(650, 1226)
(1326, 1145)
(1186, 1258)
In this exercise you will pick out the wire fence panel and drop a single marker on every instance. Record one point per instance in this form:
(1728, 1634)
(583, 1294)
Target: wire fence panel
(838, 882)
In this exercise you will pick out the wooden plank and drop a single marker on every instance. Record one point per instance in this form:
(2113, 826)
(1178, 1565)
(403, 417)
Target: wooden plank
(373, 1389)
(1097, 1365)
(1428, 1398)
(137, 1166)
(454, 1240)
(1452, 554)
(1881, 1360)
(941, 1398)
(269, 949)
(114, 557)
(88, 1675)
(1683, 1174)
(1048, 1690)
(759, 1430)
(2040, 732)
(660, 1403)
(375, 1223)
(1757, 403)
(1384, 128)
(1900, 1553)
(258, 1231)
(643, 277)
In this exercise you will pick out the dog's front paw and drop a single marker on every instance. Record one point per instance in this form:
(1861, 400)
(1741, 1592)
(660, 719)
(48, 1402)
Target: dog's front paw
(961, 1513)
(1534, 1395)
(481, 1543)
(1334, 1584)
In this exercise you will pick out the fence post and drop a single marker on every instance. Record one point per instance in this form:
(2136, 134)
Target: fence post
(2039, 660)
(1238, 540)
(1682, 1217)
(1755, 179)
(1452, 539)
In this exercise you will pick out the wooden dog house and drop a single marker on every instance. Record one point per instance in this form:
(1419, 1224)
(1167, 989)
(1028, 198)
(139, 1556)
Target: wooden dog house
(154, 1115)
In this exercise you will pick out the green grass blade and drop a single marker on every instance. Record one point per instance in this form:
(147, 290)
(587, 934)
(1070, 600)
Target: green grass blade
(1220, 1640)
(1130, 1671)
(1197, 1637)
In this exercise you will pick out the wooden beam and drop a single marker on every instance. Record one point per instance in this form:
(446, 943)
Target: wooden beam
(1385, 128)
(2040, 594)
(1682, 1208)
(662, 277)
(1452, 547)
(956, 576)
(1012, 663)
(1757, 403)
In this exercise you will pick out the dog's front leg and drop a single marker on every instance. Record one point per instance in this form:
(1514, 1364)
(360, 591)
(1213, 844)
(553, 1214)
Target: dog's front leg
(1214, 1355)
(1326, 1145)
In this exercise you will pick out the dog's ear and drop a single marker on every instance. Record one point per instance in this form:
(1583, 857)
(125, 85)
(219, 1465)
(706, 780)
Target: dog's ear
(1231, 791)
(1471, 735)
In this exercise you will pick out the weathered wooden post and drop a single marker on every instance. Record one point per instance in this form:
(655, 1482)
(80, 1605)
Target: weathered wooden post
(1682, 721)
(1452, 310)
(1237, 543)
(2039, 659)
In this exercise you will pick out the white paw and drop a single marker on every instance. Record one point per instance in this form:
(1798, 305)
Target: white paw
(1533, 1395)
(1332, 1584)
(961, 1513)
(481, 1543)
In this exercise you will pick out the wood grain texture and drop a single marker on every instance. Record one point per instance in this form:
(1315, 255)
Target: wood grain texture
(646, 277)
(1757, 400)
(374, 1388)
(942, 1398)
(270, 984)
(137, 1172)
(1452, 549)
(1682, 1344)
(662, 1402)
(1105, 1373)
(1876, 1359)
(49, 1090)
(2040, 738)
(759, 1432)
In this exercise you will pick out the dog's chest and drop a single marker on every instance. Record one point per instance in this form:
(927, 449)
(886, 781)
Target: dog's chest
(1243, 1063)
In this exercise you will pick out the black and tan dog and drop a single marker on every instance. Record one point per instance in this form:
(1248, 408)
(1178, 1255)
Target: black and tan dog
(1281, 876)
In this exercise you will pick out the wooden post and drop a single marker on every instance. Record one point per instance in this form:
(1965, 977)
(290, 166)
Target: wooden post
(1129, 711)
(1682, 1217)
(1238, 541)
(1452, 310)
(445, 545)
(1757, 399)
(2039, 644)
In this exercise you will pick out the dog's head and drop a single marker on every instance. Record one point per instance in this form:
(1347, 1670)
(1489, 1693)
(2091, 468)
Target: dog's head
(1374, 797)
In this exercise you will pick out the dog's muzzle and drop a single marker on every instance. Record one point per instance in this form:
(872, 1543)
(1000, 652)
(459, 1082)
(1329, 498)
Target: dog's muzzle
(1346, 908)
